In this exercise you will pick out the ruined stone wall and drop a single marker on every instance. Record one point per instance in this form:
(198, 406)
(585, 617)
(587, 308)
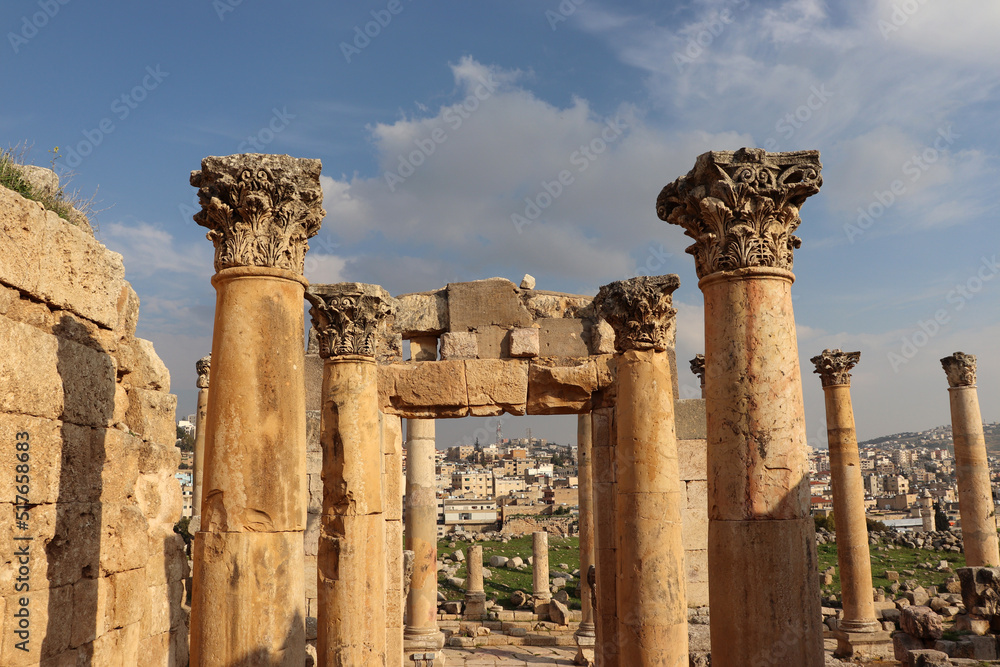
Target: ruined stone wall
(692, 453)
(91, 571)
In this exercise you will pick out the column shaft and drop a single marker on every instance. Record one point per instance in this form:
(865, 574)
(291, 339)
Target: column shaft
(762, 550)
(199, 454)
(475, 595)
(585, 486)
(605, 551)
(975, 493)
(652, 619)
(248, 602)
(540, 573)
(853, 555)
(351, 559)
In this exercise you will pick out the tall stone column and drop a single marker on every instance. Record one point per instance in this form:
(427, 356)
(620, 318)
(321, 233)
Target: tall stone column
(585, 634)
(248, 601)
(540, 573)
(475, 594)
(421, 633)
(975, 495)
(203, 366)
(351, 619)
(603, 432)
(741, 209)
(859, 631)
(652, 603)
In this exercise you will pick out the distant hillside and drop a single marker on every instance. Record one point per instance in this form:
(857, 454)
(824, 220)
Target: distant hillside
(921, 439)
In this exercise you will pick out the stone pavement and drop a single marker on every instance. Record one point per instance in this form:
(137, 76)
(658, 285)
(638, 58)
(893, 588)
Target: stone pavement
(510, 656)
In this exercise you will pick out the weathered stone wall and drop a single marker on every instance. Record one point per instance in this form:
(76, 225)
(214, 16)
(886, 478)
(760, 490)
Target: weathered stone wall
(692, 452)
(102, 579)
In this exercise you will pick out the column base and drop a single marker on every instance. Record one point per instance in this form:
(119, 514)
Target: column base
(585, 649)
(868, 645)
(475, 606)
(423, 642)
(542, 608)
(424, 659)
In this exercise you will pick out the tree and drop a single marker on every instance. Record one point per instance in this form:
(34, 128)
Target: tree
(185, 440)
(940, 518)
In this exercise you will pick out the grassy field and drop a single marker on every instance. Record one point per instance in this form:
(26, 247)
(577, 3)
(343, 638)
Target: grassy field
(502, 581)
(894, 559)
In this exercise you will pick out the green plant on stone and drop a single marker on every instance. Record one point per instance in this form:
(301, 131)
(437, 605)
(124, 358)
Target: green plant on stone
(68, 206)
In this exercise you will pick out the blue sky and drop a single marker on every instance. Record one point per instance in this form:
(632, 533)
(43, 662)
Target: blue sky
(442, 127)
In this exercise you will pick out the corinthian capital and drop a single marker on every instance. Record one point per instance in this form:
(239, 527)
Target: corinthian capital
(346, 317)
(698, 368)
(640, 311)
(260, 209)
(203, 366)
(834, 367)
(741, 207)
(960, 369)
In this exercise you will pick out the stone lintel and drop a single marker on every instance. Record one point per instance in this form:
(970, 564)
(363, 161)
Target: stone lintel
(261, 210)
(742, 207)
(960, 369)
(834, 366)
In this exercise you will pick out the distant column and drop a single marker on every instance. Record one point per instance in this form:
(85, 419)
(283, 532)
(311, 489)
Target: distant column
(605, 541)
(475, 594)
(975, 494)
(741, 208)
(351, 560)
(585, 634)
(652, 579)
(248, 595)
(203, 366)
(859, 629)
(421, 633)
(540, 573)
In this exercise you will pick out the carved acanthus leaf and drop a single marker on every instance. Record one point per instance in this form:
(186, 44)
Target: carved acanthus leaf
(260, 209)
(960, 369)
(834, 367)
(640, 311)
(347, 316)
(203, 366)
(741, 208)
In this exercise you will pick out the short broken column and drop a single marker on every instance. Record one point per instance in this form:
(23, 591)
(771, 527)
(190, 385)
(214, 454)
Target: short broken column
(741, 208)
(585, 633)
(203, 367)
(248, 595)
(421, 633)
(351, 618)
(975, 495)
(475, 594)
(540, 573)
(859, 631)
(652, 579)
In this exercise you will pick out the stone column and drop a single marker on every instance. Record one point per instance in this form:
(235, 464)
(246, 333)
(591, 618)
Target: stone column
(698, 368)
(351, 563)
(741, 209)
(203, 366)
(652, 603)
(475, 594)
(421, 633)
(248, 601)
(585, 634)
(859, 631)
(606, 544)
(975, 495)
(541, 586)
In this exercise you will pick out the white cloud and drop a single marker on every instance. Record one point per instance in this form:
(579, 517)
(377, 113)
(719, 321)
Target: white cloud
(149, 249)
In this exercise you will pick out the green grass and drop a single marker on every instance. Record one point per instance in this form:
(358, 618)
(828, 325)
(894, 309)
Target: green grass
(898, 560)
(68, 206)
(503, 582)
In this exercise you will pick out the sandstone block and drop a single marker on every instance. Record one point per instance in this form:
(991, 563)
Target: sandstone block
(152, 414)
(313, 371)
(50, 634)
(562, 337)
(524, 343)
(689, 419)
(562, 386)
(421, 313)
(144, 367)
(426, 389)
(496, 382)
(59, 263)
(479, 303)
(921, 622)
(459, 345)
